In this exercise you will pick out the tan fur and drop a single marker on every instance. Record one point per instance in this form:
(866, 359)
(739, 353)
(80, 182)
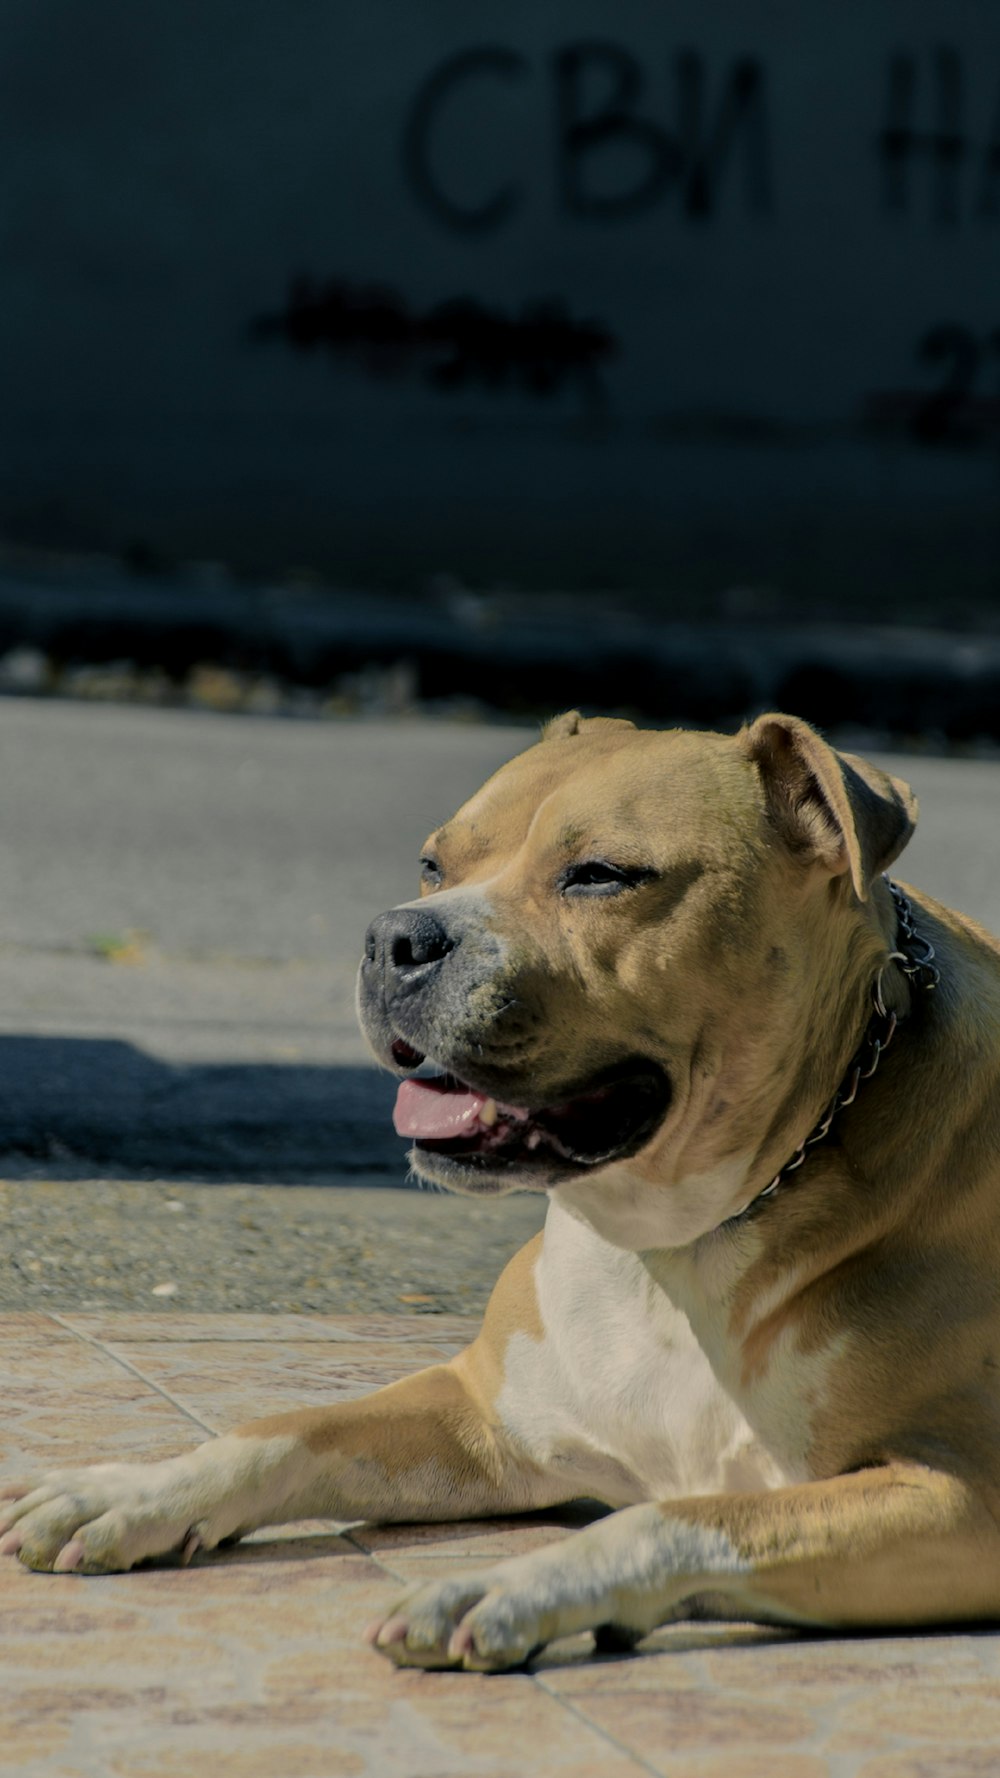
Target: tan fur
(833, 1357)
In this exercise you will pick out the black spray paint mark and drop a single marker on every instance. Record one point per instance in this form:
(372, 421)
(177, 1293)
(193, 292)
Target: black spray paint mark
(459, 344)
(959, 410)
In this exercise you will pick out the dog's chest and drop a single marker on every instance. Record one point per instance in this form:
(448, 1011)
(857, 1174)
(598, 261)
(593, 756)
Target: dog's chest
(619, 1393)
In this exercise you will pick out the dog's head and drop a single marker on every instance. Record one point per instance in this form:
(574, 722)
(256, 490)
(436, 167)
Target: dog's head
(619, 943)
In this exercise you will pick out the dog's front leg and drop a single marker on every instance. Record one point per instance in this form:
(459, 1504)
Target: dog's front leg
(423, 1448)
(899, 1545)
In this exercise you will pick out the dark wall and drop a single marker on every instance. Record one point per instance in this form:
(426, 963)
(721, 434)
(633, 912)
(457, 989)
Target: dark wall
(593, 293)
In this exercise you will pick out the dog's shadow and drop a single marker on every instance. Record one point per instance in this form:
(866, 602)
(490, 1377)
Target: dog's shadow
(684, 1636)
(379, 1542)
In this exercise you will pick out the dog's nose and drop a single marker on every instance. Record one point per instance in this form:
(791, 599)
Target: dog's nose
(406, 941)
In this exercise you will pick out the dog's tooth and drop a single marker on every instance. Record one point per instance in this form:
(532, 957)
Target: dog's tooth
(488, 1113)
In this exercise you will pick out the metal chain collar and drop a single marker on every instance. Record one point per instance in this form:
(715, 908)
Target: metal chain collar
(916, 961)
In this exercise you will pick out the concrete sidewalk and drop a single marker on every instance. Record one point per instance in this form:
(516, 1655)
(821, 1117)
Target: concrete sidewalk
(250, 1663)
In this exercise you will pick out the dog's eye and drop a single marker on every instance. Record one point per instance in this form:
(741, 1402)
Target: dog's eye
(596, 876)
(430, 873)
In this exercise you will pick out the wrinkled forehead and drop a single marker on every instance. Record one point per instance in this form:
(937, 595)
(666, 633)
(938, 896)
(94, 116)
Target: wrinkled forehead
(633, 788)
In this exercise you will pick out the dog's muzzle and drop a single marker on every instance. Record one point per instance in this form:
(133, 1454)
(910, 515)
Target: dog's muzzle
(429, 987)
(436, 993)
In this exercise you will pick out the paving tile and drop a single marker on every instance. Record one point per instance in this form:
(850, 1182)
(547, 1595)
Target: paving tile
(962, 1710)
(442, 1331)
(673, 1762)
(696, 1716)
(250, 1662)
(479, 1540)
(65, 1402)
(121, 1327)
(952, 1762)
(28, 1324)
(778, 1703)
(455, 1329)
(822, 1665)
(225, 1383)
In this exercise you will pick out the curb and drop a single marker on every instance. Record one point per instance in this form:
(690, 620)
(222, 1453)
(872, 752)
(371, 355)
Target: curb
(510, 653)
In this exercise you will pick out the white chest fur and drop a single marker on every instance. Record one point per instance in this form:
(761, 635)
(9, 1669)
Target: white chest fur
(619, 1394)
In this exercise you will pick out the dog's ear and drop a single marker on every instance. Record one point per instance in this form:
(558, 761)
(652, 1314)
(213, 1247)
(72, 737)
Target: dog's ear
(832, 806)
(572, 723)
(561, 727)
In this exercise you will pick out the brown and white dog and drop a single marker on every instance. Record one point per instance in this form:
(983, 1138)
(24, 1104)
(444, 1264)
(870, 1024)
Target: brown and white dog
(652, 971)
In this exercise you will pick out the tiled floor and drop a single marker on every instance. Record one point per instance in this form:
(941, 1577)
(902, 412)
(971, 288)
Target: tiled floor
(249, 1664)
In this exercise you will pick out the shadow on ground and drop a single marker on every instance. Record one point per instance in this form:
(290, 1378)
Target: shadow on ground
(75, 1107)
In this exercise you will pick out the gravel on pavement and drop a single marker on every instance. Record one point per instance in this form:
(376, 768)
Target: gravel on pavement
(154, 1245)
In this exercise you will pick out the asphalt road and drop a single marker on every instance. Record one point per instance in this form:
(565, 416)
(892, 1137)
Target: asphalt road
(183, 899)
(183, 902)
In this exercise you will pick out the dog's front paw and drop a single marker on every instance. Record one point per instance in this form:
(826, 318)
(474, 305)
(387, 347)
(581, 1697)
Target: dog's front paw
(100, 1520)
(619, 1578)
(472, 1622)
(483, 1622)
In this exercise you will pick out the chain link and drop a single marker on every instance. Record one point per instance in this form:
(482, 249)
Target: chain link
(916, 960)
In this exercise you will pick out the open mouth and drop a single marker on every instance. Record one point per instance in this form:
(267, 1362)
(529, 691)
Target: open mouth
(613, 1117)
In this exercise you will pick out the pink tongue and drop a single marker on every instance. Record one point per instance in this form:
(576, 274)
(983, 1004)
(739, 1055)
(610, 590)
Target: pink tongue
(430, 1109)
(436, 1110)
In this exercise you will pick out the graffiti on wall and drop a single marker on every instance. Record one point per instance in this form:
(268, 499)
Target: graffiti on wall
(930, 161)
(597, 93)
(621, 144)
(958, 407)
(459, 344)
(709, 143)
